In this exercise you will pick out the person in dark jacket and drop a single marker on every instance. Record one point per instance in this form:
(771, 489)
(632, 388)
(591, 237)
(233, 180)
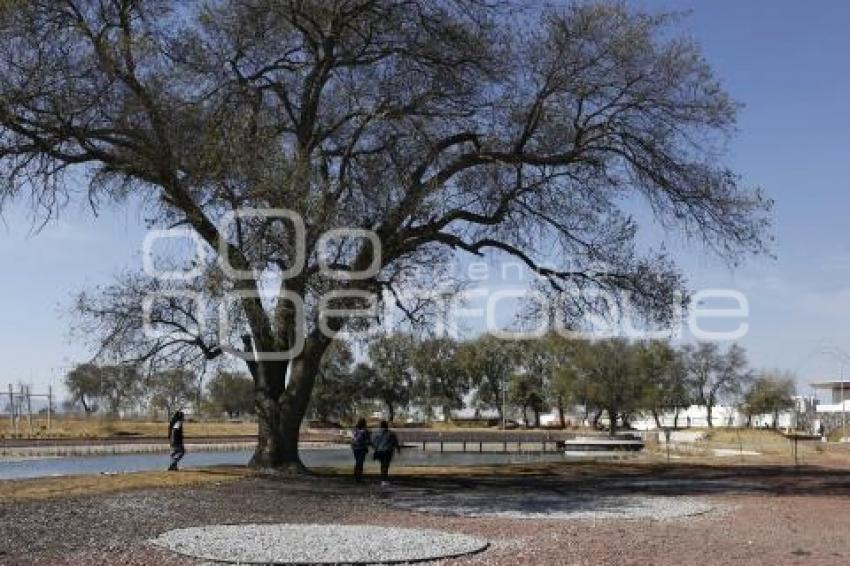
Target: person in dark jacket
(385, 443)
(360, 442)
(175, 438)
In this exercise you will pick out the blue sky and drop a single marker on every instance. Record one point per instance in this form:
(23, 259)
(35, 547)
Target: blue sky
(786, 61)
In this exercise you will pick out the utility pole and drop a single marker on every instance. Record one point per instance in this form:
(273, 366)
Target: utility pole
(100, 400)
(29, 405)
(11, 409)
(49, 404)
(504, 403)
(843, 412)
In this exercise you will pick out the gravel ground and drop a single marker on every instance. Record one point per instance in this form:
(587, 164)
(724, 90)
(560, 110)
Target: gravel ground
(769, 515)
(552, 505)
(317, 544)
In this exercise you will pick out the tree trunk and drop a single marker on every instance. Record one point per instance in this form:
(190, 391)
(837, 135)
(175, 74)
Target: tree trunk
(612, 422)
(561, 412)
(447, 414)
(279, 429)
(536, 418)
(390, 412)
(281, 409)
(708, 407)
(676, 418)
(596, 418)
(657, 418)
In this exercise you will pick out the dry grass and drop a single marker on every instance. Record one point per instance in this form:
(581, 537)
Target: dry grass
(497, 470)
(565, 469)
(750, 436)
(839, 433)
(96, 427)
(770, 445)
(766, 442)
(68, 486)
(57, 487)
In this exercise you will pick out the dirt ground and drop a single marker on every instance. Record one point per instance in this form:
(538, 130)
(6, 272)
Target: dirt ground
(762, 515)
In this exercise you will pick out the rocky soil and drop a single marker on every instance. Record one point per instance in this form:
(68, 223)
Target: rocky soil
(758, 516)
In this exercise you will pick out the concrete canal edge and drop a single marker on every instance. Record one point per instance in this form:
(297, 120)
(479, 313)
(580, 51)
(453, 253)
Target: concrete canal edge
(104, 449)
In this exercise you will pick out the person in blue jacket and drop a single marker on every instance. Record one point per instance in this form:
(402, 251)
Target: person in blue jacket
(385, 443)
(360, 442)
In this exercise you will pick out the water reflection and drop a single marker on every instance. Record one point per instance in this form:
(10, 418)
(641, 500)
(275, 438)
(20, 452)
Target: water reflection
(312, 457)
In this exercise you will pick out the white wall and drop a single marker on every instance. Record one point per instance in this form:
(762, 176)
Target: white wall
(721, 416)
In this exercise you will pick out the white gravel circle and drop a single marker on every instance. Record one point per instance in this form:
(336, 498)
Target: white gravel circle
(316, 544)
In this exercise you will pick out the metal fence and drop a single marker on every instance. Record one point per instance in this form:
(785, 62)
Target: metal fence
(20, 407)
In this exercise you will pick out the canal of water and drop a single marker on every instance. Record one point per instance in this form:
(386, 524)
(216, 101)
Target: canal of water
(20, 468)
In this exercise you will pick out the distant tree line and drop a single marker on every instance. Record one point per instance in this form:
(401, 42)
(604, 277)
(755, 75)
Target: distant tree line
(423, 378)
(614, 378)
(114, 389)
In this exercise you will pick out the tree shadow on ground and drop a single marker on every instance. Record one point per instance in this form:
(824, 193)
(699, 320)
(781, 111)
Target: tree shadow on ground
(671, 480)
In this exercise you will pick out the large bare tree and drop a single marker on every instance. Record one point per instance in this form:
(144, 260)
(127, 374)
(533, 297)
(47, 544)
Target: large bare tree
(715, 375)
(443, 126)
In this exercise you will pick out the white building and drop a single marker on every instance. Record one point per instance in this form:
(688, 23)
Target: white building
(836, 393)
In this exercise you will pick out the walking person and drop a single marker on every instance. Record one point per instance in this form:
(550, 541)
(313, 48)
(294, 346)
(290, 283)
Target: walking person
(175, 437)
(360, 442)
(385, 443)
